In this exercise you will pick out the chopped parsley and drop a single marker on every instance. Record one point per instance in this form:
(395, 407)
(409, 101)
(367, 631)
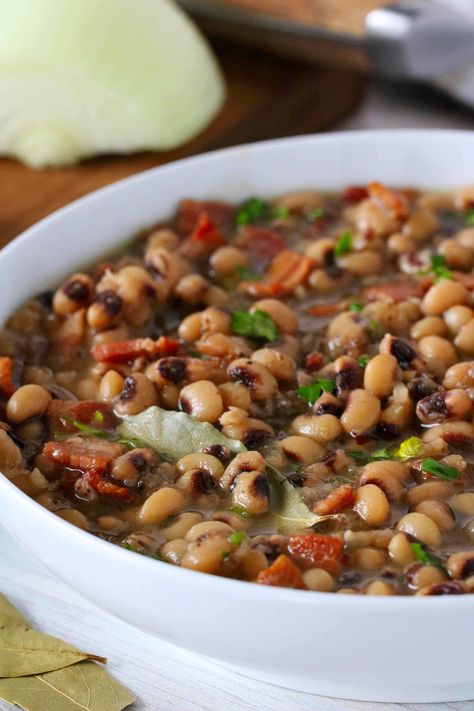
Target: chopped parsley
(313, 392)
(252, 210)
(86, 429)
(363, 360)
(425, 556)
(356, 306)
(315, 214)
(406, 450)
(98, 416)
(280, 213)
(254, 325)
(247, 274)
(360, 457)
(439, 470)
(237, 538)
(239, 511)
(438, 268)
(470, 217)
(343, 245)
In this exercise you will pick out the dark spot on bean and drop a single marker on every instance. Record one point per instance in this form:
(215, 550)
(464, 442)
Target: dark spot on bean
(328, 408)
(172, 369)
(410, 574)
(384, 431)
(350, 577)
(129, 389)
(184, 404)
(421, 387)
(451, 587)
(243, 375)
(433, 407)
(77, 291)
(111, 301)
(348, 378)
(138, 461)
(46, 299)
(202, 483)
(403, 352)
(148, 291)
(218, 450)
(260, 486)
(330, 266)
(256, 438)
(467, 568)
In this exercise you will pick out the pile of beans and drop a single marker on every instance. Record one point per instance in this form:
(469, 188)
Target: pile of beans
(333, 335)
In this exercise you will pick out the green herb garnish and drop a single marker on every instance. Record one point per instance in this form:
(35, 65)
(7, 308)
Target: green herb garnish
(239, 511)
(470, 217)
(315, 214)
(280, 213)
(439, 268)
(133, 443)
(252, 210)
(439, 470)
(237, 538)
(247, 274)
(356, 306)
(343, 244)
(408, 449)
(313, 392)
(225, 555)
(425, 557)
(363, 360)
(86, 429)
(98, 416)
(296, 468)
(254, 325)
(361, 457)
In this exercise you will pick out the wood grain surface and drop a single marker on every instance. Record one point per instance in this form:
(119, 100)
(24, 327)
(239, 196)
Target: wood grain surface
(267, 97)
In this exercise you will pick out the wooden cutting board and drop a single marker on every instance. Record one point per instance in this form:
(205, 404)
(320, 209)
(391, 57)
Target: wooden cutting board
(267, 97)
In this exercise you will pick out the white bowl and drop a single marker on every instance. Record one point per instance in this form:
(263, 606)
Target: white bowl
(359, 647)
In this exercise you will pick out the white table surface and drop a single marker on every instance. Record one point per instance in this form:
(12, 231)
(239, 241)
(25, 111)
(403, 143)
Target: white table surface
(163, 677)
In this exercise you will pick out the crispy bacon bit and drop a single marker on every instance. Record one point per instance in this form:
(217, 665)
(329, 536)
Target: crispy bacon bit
(85, 411)
(126, 351)
(287, 271)
(337, 500)
(355, 194)
(392, 200)
(83, 453)
(314, 360)
(394, 291)
(203, 240)
(262, 244)
(326, 309)
(7, 386)
(282, 573)
(316, 550)
(106, 488)
(221, 214)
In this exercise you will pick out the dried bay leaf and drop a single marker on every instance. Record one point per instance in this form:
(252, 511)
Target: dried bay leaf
(82, 687)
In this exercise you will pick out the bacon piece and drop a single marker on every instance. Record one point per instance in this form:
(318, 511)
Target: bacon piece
(327, 309)
(394, 291)
(125, 351)
(262, 244)
(282, 573)
(392, 200)
(221, 214)
(59, 411)
(203, 240)
(7, 366)
(316, 550)
(106, 488)
(314, 360)
(287, 271)
(337, 500)
(83, 453)
(354, 194)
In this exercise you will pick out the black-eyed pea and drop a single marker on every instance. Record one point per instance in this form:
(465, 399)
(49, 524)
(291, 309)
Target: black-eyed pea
(456, 317)
(174, 551)
(198, 486)
(375, 538)
(465, 338)
(162, 237)
(400, 408)
(251, 491)
(437, 348)
(235, 395)
(362, 412)
(429, 326)
(226, 260)
(301, 449)
(132, 465)
(421, 576)
(111, 335)
(442, 295)
(321, 250)
(190, 327)
(380, 374)
(180, 524)
(135, 287)
(75, 517)
(169, 395)
(38, 480)
(112, 524)
(400, 244)
(254, 562)
(300, 201)
(236, 424)
(362, 263)
(400, 550)
(138, 393)
(371, 504)
(208, 528)
(346, 327)
(106, 312)
(214, 320)
(452, 404)
(167, 267)
(207, 554)
(379, 587)
(278, 364)
(368, 558)
(46, 501)
(423, 528)
(74, 294)
(110, 386)
(201, 460)
(243, 462)
(321, 428)
(459, 375)
(201, 400)
(348, 375)
(464, 197)
(382, 476)
(456, 432)
(234, 520)
(192, 288)
(434, 490)
(461, 564)
(284, 316)
(463, 502)
(466, 238)
(319, 580)
(255, 376)
(323, 281)
(421, 224)
(159, 505)
(449, 587)
(439, 512)
(26, 402)
(456, 255)
(87, 389)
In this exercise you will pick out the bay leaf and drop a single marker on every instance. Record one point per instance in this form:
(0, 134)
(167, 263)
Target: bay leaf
(25, 651)
(9, 613)
(175, 434)
(82, 687)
